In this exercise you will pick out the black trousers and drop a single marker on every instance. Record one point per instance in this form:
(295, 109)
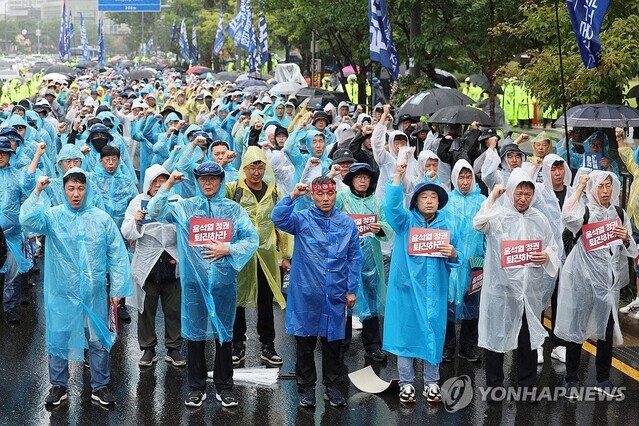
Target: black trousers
(603, 361)
(371, 339)
(305, 372)
(467, 335)
(526, 361)
(265, 318)
(222, 369)
(169, 294)
(553, 315)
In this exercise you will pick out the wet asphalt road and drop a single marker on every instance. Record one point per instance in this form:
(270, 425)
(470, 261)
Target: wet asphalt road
(154, 396)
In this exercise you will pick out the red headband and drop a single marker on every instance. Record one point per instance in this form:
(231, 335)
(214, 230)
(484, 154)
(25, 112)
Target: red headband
(329, 186)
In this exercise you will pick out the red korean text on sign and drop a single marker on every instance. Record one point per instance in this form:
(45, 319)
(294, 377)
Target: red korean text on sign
(426, 242)
(599, 234)
(518, 252)
(363, 222)
(205, 231)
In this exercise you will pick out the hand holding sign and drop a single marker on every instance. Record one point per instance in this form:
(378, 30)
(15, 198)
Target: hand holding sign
(539, 258)
(621, 233)
(448, 251)
(215, 251)
(375, 227)
(139, 216)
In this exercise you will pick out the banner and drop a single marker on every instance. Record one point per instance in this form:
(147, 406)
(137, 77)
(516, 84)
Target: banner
(219, 35)
(426, 242)
(194, 57)
(174, 31)
(184, 43)
(382, 47)
(586, 17)
(363, 222)
(262, 36)
(100, 42)
(62, 44)
(592, 160)
(599, 235)
(205, 231)
(519, 252)
(84, 40)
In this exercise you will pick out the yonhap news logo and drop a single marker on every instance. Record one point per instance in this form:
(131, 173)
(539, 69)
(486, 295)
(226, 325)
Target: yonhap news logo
(457, 393)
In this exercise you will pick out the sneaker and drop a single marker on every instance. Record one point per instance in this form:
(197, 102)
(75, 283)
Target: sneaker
(12, 316)
(307, 397)
(377, 355)
(57, 394)
(227, 398)
(559, 353)
(103, 396)
(572, 391)
(608, 389)
(195, 399)
(357, 324)
(448, 355)
(123, 314)
(540, 355)
(238, 354)
(634, 315)
(469, 355)
(270, 356)
(175, 357)
(631, 308)
(432, 393)
(407, 393)
(334, 397)
(148, 358)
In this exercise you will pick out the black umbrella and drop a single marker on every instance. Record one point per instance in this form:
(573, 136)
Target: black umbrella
(248, 83)
(600, 115)
(260, 76)
(482, 81)
(307, 92)
(140, 74)
(446, 79)
(322, 100)
(227, 76)
(633, 93)
(61, 69)
(432, 100)
(203, 70)
(86, 64)
(460, 114)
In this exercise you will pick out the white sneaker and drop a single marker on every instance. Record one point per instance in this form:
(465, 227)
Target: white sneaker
(432, 393)
(559, 353)
(634, 315)
(540, 355)
(357, 324)
(631, 308)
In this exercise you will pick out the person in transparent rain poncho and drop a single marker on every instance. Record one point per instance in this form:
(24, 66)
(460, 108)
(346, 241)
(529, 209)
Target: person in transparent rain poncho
(591, 280)
(511, 297)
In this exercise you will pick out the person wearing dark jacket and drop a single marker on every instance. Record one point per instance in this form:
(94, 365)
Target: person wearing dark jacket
(453, 148)
(362, 149)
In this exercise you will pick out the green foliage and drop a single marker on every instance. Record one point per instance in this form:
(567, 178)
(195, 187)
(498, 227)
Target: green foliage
(406, 86)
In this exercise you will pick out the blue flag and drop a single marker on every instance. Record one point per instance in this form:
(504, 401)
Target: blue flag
(174, 30)
(236, 25)
(70, 29)
(194, 58)
(219, 36)
(382, 47)
(149, 45)
(62, 45)
(184, 42)
(100, 42)
(252, 61)
(586, 17)
(84, 40)
(262, 36)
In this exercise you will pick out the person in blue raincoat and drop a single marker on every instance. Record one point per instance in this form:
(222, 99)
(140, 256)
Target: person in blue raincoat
(208, 287)
(416, 300)
(463, 301)
(11, 193)
(82, 244)
(597, 143)
(324, 279)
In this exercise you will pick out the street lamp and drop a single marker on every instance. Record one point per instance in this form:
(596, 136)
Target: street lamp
(38, 34)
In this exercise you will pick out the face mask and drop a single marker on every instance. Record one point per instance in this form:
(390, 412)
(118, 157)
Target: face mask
(98, 144)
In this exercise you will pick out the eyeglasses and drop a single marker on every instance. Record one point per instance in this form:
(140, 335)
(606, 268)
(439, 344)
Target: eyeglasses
(259, 169)
(20, 127)
(71, 161)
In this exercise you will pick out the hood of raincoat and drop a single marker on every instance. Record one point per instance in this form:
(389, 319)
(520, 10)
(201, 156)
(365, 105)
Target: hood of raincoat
(425, 156)
(68, 152)
(391, 139)
(546, 170)
(171, 117)
(192, 128)
(253, 154)
(309, 143)
(221, 193)
(256, 115)
(344, 133)
(107, 115)
(596, 178)
(15, 120)
(151, 174)
(88, 196)
(516, 177)
(504, 155)
(363, 117)
(457, 168)
(604, 142)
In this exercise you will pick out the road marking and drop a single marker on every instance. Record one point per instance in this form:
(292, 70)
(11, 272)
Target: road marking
(619, 365)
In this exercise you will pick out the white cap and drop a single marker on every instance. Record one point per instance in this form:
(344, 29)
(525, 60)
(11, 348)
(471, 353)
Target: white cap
(139, 104)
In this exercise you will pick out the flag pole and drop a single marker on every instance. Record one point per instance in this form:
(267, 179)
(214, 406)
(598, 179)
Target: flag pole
(563, 84)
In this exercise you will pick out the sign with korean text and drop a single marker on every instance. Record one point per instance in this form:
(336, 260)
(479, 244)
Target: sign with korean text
(426, 242)
(363, 222)
(129, 5)
(592, 160)
(476, 281)
(518, 252)
(599, 234)
(204, 231)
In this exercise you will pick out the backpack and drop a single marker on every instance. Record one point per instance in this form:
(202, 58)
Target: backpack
(239, 191)
(570, 240)
(3, 248)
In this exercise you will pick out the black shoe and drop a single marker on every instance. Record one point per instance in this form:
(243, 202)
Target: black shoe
(12, 316)
(609, 390)
(103, 396)
(572, 391)
(470, 355)
(448, 355)
(377, 355)
(57, 394)
(238, 354)
(175, 357)
(123, 314)
(227, 398)
(334, 397)
(195, 399)
(307, 397)
(148, 358)
(270, 356)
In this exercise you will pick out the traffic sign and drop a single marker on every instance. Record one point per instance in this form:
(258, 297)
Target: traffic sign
(129, 5)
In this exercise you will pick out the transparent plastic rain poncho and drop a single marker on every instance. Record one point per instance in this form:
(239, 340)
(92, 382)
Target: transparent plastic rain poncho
(372, 285)
(325, 266)
(82, 246)
(151, 239)
(209, 290)
(11, 192)
(415, 317)
(260, 214)
(461, 209)
(117, 190)
(417, 171)
(387, 160)
(509, 293)
(577, 160)
(491, 172)
(590, 281)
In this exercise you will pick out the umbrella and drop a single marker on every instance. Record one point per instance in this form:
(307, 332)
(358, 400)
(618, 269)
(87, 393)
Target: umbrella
(259, 76)
(349, 70)
(83, 63)
(140, 74)
(203, 70)
(307, 92)
(432, 100)
(227, 76)
(251, 82)
(194, 69)
(55, 76)
(633, 93)
(600, 115)
(255, 90)
(445, 79)
(61, 69)
(286, 88)
(460, 114)
(323, 100)
(482, 81)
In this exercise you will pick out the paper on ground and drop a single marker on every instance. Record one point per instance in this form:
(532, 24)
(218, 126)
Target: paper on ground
(367, 381)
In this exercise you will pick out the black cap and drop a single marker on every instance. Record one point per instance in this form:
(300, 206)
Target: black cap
(321, 115)
(487, 134)
(279, 130)
(404, 117)
(343, 156)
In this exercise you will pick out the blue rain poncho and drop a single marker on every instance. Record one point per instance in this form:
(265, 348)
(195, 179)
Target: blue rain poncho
(209, 290)
(577, 160)
(326, 265)
(82, 246)
(590, 281)
(415, 320)
(117, 191)
(508, 293)
(462, 208)
(11, 192)
(371, 294)
(151, 239)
